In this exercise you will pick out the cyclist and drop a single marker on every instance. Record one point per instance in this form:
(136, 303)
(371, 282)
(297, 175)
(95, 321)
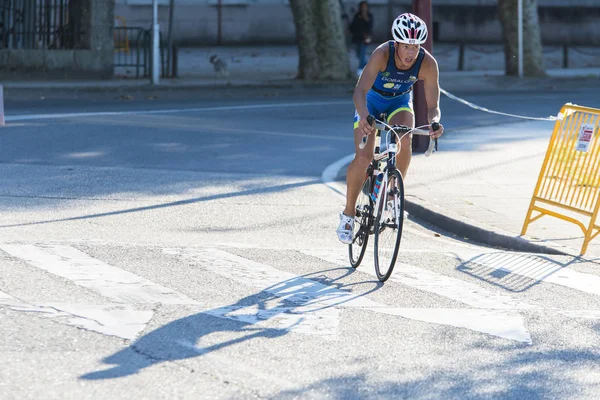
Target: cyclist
(385, 86)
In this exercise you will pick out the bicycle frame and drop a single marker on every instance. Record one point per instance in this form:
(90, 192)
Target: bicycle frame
(390, 153)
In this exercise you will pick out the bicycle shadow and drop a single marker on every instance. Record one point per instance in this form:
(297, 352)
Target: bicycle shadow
(295, 304)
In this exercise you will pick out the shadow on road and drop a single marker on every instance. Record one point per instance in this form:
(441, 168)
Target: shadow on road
(296, 303)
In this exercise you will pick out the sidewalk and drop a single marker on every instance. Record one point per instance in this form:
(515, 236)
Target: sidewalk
(276, 66)
(480, 186)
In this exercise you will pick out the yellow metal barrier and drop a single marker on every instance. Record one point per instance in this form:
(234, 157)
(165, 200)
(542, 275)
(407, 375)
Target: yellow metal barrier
(569, 181)
(121, 43)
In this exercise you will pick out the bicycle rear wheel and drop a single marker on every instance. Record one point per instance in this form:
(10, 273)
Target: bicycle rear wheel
(388, 226)
(362, 223)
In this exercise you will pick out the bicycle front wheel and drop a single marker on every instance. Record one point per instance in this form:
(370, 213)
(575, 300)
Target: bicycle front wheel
(362, 223)
(388, 226)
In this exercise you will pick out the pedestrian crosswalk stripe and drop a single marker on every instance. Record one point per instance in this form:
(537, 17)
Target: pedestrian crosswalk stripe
(282, 284)
(539, 269)
(120, 317)
(315, 297)
(297, 303)
(432, 282)
(119, 320)
(8, 300)
(111, 282)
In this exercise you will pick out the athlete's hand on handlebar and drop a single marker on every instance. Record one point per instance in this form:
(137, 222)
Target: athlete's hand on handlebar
(367, 125)
(436, 130)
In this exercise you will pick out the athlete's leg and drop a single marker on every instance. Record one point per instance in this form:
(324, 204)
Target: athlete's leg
(403, 116)
(355, 176)
(356, 170)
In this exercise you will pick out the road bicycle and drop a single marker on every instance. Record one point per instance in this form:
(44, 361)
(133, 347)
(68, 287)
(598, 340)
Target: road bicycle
(380, 203)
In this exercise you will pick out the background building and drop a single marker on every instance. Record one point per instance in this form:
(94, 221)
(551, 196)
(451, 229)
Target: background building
(78, 37)
(210, 22)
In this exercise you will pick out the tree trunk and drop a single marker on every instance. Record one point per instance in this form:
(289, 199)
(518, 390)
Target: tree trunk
(533, 60)
(306, 37)
(321, 40)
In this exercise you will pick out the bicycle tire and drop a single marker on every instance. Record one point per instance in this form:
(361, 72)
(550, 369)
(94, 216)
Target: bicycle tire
(364, 220)
(383, 223)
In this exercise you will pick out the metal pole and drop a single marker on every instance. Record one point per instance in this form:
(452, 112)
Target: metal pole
(422, 8)
(520, 30)
(2, 122)
(155, 44)
(10, 26)
(219, 22)
(170, 38)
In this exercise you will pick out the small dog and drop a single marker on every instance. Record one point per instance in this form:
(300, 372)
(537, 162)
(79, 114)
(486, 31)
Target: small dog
(220, 66)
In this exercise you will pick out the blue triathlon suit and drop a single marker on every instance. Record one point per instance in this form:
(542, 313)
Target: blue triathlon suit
(392, 90)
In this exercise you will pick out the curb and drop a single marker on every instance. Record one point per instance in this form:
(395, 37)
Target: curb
(183, 85)
(470, 231)
(27, 91)
(466, 84)
(475, 233)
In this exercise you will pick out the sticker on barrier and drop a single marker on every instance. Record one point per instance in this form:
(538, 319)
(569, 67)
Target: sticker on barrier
(585, 137)
(568, 186)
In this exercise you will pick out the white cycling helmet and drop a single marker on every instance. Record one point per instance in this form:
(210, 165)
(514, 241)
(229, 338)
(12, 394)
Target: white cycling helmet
(409, 29)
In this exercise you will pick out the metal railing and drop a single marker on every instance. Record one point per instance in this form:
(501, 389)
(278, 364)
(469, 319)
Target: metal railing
(138, 53)
(40, 24)
(487, 48)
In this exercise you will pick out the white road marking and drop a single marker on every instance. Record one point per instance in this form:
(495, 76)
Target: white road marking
(119, 320)
(534, 267)
(9, 301)
(455, 289)
(170, 111)
(284, 285)
(432, 282)
(124, 321)
(331, 172)
(313, 312)
(324, 322)
(315, 297)
(111, 282)
(298, 304)
(504, 324)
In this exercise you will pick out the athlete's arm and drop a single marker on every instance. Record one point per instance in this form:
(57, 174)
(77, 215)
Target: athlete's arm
(430, 75)
(376, 63)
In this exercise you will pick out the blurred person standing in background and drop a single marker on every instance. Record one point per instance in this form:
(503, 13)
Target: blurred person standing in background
(360, 29)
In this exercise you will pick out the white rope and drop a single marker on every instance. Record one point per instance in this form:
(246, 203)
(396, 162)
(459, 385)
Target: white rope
(550, 118)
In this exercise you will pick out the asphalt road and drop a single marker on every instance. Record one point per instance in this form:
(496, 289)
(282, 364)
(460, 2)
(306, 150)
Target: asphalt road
(263, 131)
(192, 254)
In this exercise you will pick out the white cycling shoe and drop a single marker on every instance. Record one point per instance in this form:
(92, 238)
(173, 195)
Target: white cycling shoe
(345, 230)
